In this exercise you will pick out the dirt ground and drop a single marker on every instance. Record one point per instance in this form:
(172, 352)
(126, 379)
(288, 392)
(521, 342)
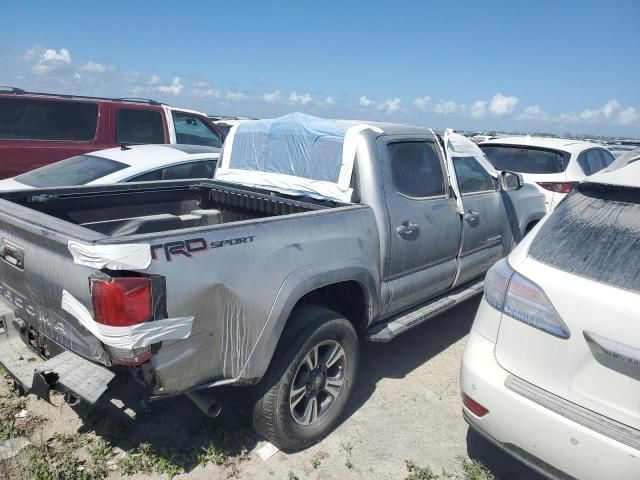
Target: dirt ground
(406, 407)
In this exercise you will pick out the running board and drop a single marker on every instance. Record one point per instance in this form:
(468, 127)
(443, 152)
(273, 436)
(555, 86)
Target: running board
(398, 324)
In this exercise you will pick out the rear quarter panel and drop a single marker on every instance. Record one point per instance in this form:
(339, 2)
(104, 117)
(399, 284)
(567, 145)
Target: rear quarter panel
(241, 289)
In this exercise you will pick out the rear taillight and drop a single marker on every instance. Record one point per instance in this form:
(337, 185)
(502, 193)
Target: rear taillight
(122, 301)
(473, 406)
(558, 187)
(518, 297)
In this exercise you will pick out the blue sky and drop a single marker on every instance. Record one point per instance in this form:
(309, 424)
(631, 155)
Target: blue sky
(536, 66)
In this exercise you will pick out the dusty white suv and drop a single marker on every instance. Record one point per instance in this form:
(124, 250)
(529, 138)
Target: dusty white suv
(551, 369)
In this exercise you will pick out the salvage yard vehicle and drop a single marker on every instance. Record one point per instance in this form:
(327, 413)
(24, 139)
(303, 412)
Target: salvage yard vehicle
(37, 129)
(139, 163)
(313, 231)
(551, 368)
(554, 165)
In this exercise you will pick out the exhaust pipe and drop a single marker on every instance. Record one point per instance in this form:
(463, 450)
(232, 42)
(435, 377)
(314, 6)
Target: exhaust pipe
(206, 402)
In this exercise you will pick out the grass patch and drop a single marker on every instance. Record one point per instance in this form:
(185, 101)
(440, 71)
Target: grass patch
(146, 459)
(10, 406)
(474, 470)
(99, 453)
(56, 460)
(419, 473)
(470, 470)
(347, 447)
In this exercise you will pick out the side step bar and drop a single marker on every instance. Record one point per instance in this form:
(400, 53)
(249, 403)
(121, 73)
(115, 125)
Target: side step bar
(398, 324)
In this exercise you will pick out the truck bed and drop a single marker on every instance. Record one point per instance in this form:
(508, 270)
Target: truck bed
(156, 207)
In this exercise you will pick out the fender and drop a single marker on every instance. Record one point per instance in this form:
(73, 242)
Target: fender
(294, 287)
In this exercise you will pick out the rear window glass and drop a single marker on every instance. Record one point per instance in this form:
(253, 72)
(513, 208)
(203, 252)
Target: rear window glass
(139, 126)
(526, 159)
(594, 233)
(72, 171)
(29, 119)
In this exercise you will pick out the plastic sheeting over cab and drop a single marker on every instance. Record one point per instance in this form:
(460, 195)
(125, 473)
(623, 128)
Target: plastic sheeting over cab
(296, 154)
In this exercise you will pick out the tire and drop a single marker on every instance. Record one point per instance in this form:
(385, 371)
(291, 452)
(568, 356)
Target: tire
(283, 413)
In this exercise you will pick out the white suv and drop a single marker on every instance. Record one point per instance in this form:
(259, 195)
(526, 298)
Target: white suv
(551, 369)
(554, 165)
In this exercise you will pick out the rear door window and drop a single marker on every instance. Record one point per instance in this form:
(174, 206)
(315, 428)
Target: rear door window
(183, 171)
(139, 126)
(594, 233)
(35, 119)
(416, 169)
(526, 159)
(192, 130)
(78, 170)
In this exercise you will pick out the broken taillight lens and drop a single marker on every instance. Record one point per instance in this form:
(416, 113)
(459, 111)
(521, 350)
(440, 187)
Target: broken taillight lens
(122, 301)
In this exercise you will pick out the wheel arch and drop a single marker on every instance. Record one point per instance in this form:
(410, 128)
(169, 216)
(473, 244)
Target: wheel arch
(306, 286)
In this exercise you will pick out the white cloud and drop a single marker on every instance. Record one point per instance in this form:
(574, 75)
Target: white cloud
(610, 108)
(533, 112)
(93, 67)
(421, 103)
(479, 109)
(606, 112)
(366, 102)
(629, 116)
(391, 105)
(271, 97)
(154, 80)
(302, 99)
(204, 89)
(52, 61)
(449, 108)
(237, 96)
(174, 88)
(502, 105)
(329, 101)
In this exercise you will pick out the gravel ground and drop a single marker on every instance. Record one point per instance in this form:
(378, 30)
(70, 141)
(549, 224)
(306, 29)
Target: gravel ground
(406, 407)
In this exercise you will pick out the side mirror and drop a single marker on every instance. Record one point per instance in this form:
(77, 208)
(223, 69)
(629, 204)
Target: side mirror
(510, 181)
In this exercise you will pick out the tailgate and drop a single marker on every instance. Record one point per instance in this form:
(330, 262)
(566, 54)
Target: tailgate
(585, 259)
(35, 266)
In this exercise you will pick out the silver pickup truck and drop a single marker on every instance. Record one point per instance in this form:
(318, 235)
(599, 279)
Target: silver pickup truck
(312, 233)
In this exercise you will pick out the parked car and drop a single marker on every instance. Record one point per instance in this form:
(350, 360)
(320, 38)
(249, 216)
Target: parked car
(139, 163)
(261, 277)
(225, 123)
(554, 165)
(551, 368)
(37, 129)
(624, 160)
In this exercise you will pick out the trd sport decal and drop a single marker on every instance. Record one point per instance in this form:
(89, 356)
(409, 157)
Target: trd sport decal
(188, 248)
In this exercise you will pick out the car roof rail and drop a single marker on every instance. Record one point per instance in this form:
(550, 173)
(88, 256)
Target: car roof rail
(138, 99)
(7, 88)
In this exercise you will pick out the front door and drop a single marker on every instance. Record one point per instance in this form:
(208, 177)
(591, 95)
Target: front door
(484, 218)
(424, 226)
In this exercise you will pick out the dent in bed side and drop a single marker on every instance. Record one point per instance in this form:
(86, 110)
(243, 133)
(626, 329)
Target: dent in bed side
(295, 287)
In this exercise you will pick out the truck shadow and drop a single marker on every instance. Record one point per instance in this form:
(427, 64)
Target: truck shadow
(179, 432)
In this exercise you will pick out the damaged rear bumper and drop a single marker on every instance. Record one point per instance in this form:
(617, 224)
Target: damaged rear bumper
(66, 372)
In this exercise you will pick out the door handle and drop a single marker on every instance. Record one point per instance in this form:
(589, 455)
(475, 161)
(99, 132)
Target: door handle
(471, 215)
(407, 228)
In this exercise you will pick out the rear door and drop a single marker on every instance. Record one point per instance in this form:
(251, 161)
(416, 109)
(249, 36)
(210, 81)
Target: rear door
(585, 259)
(424, 226)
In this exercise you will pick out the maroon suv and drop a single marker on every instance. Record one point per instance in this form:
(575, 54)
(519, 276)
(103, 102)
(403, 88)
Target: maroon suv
(41, 128)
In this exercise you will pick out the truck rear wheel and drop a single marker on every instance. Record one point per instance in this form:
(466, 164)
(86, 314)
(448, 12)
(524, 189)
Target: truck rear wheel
(305, 390)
